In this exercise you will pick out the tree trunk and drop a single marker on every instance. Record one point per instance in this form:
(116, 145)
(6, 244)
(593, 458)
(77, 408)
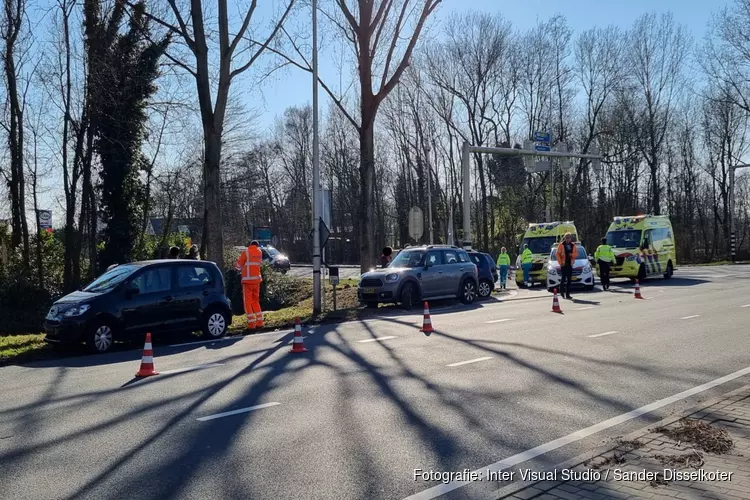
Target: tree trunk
(212, 194)
(367, 207)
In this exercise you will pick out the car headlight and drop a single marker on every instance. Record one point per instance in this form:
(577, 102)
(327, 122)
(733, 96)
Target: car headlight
(552, 271)
(632, 258)
(586, 269)
(77, 310)
(391, 278)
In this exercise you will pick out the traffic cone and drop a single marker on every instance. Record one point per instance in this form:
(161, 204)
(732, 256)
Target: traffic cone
(426, 322)
(637, 290)
(556, 303)
(147, 361)
(299, 343)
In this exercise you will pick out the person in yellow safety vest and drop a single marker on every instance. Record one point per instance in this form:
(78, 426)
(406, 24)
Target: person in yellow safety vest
(526, 257)
(604, 257)
(503, 262)
(249, 263)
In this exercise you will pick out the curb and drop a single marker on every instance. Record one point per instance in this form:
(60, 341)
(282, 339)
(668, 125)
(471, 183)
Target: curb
(514, 488)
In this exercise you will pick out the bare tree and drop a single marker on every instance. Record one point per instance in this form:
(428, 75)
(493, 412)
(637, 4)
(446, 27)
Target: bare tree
(11, 34)
(188, 21)
(658, 48)
(382, 35)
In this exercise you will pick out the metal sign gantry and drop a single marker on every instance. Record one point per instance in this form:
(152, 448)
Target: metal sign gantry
(467, 149)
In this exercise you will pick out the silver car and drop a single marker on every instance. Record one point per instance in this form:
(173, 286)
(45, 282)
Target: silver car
(583, 275)
(421, 273)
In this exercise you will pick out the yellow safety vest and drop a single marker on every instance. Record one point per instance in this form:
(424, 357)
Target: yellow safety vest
(604, 253)
(503, 259)
(526, 256)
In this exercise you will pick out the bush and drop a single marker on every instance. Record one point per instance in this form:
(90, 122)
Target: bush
(23, 303)
(276, 290)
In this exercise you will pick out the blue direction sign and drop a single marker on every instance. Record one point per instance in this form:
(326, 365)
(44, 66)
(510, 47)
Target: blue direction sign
(541, 148)
(542, 137)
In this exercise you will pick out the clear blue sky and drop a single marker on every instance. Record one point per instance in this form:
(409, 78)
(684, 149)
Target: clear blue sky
(293, 87)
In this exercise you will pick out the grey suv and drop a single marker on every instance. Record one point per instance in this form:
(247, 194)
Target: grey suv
(421, 273)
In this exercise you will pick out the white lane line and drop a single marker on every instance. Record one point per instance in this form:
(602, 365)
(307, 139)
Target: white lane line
(223, 339)
(499, 320)
(236, 412)
(583, 308)
(470, 361)
(602, 334)
(442, 489)
(191, 368)
(376, 339)
(691, 317)
(746, 305)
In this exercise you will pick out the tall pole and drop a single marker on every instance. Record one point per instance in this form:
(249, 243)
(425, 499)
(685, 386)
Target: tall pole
(429, 193)
(732, 234)
(467, 195)
(732, 237)
(316, 167)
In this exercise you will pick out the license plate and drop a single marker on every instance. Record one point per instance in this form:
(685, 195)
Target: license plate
(368, 290)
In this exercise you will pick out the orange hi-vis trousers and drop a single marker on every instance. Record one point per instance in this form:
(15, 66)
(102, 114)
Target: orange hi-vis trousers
(251, 294)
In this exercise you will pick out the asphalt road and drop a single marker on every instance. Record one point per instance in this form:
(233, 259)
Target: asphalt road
(372, 401)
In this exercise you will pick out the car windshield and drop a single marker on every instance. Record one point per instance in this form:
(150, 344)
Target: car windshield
(629, 238)
(540, 244)
(408, 259)
(272, 251)
(581, 254)
(111, 278)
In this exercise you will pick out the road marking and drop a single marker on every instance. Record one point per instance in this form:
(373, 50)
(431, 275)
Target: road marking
(223, 339)
(691, 317)
(236, 412)
(499, 320)
(470, 361)
(584, 308)
(602, 334)
(376, 339)
(746, 305)
(442, 489)
(191, 368)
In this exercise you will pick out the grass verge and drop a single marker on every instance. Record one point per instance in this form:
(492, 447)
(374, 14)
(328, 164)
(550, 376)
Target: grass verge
(24, 348)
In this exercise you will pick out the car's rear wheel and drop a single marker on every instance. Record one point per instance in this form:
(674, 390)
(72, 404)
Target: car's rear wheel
(468, 291)
(407, 296)
(215, 323)
(101, 336)
(520, 284)
(670, 270)
(372, 305)
(485, 288)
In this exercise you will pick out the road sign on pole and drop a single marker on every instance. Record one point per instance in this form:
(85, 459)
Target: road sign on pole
(541, 147)
(542, 136)
(541, 166)
(596, 164)
(416, 223)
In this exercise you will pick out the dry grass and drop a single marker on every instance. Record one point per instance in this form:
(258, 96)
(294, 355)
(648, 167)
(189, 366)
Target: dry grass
(702, 434)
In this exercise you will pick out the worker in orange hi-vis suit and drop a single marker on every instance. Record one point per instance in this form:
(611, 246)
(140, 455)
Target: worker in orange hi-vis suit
(248, 264)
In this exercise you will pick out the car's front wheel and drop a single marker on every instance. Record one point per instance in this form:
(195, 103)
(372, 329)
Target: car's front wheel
(407, 296)
(101, 336)
(670, 271)
(485, 288)
(215, 323)
(468, 291)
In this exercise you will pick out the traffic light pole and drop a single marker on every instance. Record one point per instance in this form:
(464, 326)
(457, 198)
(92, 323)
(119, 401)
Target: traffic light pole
(466, 151)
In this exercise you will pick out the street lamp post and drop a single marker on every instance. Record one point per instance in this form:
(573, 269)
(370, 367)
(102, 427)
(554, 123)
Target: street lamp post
(732, 235)
(317, 300)
(429, 192)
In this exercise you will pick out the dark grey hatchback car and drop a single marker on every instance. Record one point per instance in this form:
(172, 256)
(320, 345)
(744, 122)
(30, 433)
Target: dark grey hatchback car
(151, 296)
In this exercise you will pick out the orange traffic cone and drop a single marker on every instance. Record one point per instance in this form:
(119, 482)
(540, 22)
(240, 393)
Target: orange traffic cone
(299, 343)
(556, 303)
(147, 361)
(637, 290)
(426, 322)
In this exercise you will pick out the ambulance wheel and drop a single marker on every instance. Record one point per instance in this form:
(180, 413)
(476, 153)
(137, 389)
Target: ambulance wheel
(520, 284)
(589, 288)
(670, 271)
(642, 272)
